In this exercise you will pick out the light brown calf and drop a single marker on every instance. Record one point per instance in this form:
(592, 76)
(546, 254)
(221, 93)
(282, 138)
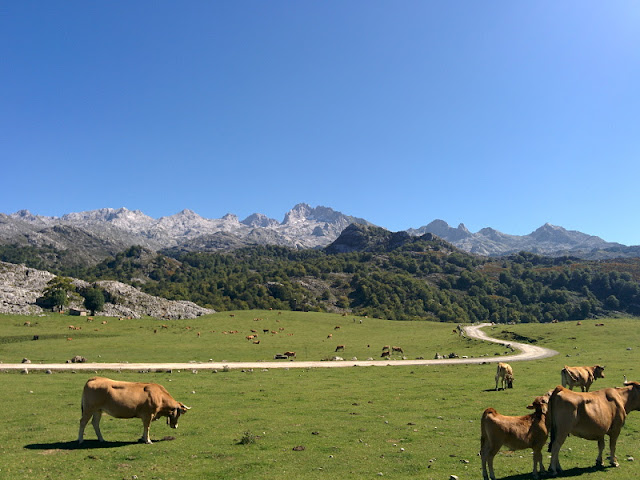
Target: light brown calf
(517, 433)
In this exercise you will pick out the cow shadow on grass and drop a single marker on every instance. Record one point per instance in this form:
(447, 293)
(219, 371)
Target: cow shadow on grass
(570, 472)
(86, 445)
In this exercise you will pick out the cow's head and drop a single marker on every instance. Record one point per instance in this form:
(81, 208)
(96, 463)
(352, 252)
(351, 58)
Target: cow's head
(174, 415)
(598, 371)
(508, 378)
(540, 404)
(633, 399)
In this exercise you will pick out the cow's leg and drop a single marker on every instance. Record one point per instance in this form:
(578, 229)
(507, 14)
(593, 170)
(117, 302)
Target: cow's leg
(537, 460)
(600, 450)
(483, 456)
(613, 440)
(86, 415)
(554, 465)
(97, 415)
(146, 425)
(488, 453)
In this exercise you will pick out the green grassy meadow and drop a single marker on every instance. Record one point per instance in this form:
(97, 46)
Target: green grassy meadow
(402, 422)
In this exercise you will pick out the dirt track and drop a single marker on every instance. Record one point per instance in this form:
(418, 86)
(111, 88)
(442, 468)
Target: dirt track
(526, 352)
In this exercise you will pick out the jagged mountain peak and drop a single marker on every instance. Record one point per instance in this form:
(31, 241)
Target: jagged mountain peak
(230, 217)
(259, 220)
(463, 228)
(298, 213)
(443, 230)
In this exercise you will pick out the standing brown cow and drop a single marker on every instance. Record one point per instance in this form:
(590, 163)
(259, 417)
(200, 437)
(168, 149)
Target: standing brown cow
(589, 415)
(582, 377)
(147, 401)
(504, 374)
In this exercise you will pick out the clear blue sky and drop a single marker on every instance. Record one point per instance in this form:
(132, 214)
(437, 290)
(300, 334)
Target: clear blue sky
(499, 113)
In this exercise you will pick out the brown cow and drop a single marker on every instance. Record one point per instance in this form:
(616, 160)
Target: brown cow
(581, 376)
(517, 433)
(147, 401)
(340, 348)
(290, 354)
(385, 353)
(504, 374)
(589, 415)
(397, 349)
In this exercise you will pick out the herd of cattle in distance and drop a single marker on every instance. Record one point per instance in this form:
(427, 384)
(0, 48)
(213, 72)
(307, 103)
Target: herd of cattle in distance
(557, 414)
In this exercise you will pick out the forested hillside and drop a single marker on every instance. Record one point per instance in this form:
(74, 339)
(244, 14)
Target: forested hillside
(406, 278)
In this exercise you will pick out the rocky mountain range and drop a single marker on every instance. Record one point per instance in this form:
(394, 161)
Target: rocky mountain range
(547, 240)
(95, 235)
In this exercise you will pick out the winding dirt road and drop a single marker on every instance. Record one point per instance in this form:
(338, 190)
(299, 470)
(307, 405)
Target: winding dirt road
(526, 352)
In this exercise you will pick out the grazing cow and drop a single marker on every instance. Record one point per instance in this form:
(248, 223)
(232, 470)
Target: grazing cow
(147, 401)
(504, 375)
(386, 347)
(330, 335)
(589, 415)
(385, 353)
(517, 433)
(290, 354)
(340, 348)
(581, 376)
(397, 349)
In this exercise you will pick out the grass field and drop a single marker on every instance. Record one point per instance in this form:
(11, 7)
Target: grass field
(354, 423)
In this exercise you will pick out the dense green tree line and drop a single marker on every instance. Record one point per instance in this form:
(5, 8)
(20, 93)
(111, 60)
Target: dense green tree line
(418, 280)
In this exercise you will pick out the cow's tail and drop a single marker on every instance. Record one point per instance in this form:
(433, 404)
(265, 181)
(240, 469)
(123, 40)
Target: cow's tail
(483, 433)
(549, 420)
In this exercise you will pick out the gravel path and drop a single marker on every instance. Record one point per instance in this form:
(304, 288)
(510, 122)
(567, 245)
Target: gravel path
(526, 352)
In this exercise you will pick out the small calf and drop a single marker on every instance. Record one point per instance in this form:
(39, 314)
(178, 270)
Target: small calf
(517, 433)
